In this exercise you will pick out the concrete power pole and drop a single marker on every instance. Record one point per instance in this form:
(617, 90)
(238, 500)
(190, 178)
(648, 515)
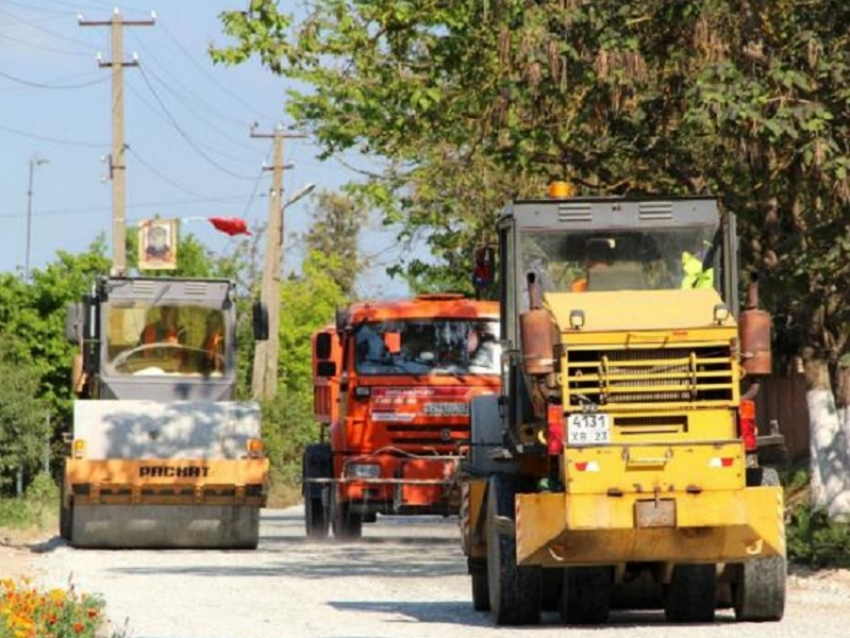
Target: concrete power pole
(117, 167)
(266, 354)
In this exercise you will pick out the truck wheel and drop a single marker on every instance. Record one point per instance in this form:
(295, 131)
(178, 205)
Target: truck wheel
(553, 587)
(759, 592)
(316, 463)
(692, 594)
(586, 595)
(66, 520)
(480, 591)
(346, 525)
(316, 520)
(516, 593)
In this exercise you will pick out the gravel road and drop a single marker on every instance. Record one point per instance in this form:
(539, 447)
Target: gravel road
(405, 579)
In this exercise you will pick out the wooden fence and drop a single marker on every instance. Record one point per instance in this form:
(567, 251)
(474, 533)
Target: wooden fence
(783, 399)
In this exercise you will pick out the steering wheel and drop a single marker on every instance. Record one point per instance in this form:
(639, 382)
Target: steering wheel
(150, 355)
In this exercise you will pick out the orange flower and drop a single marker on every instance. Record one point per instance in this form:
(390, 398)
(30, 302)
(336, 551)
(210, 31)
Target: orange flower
(92, 613)
(78, 627)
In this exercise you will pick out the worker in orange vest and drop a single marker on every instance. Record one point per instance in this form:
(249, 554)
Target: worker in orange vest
(164, 330)
(214, 343)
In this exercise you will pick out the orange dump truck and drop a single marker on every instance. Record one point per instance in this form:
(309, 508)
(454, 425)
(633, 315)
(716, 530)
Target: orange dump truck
(393, 381)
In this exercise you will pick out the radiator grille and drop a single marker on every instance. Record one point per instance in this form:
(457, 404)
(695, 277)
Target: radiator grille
(650, 375)
(431, 435)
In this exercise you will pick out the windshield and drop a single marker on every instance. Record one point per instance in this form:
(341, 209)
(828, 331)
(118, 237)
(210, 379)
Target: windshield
(588, 261)
(428, 346)
(180, 340)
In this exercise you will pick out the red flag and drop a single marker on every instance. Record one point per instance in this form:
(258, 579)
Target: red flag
(230, 225)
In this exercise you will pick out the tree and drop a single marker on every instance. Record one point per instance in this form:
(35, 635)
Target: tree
(24, 431)
(308, 303)
(335, 230)
(468, 102)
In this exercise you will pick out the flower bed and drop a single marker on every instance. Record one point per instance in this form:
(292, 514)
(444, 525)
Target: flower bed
(29, 612)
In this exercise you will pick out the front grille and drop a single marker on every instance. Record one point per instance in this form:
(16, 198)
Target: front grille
(650, 375)
(431, 434)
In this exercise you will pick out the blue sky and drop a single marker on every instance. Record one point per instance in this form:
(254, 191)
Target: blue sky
(187, 126)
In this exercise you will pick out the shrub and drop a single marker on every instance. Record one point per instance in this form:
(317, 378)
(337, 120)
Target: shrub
(28, 612)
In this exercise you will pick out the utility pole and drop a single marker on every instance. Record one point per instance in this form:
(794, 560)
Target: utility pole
(35, 160)
(117, 167)
(266, 354)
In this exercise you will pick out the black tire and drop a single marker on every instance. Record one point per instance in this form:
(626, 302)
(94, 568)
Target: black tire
(66, 520)
(553, 586)
(316, 463)
(758, 594)
(692, 594)
(586, 595)
(480, 591)
(316, 521)
(516, 593)
(346, 525)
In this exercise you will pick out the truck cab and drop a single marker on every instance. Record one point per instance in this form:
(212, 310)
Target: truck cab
(393, 384)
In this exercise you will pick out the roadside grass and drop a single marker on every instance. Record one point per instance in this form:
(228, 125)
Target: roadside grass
(35, 513)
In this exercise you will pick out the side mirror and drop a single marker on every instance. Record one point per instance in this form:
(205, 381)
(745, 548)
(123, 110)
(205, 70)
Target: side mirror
(484, 269)
(260, 321)
(323, 345)
(326, 369)
(342, 318)
(74, 320)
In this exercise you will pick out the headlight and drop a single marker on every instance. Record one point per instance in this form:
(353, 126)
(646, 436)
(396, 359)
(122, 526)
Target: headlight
(357, 470)
(721, 313)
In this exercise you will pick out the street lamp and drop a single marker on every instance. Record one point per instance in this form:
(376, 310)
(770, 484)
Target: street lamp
(35, 160)
(303, 192)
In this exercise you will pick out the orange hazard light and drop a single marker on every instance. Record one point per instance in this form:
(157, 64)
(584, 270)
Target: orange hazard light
(560, 190)
(255, 447)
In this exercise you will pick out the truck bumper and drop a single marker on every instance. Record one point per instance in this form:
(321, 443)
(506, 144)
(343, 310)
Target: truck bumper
(406, 486)
(167, 481)
(558, 529)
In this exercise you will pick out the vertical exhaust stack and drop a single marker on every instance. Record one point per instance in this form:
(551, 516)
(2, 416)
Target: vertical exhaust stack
(538, 333)
(754, 334)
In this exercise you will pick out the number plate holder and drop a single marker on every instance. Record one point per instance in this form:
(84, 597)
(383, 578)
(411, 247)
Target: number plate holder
(588, 428)
(661, 513)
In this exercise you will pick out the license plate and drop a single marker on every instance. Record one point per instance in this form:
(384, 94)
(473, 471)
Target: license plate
(457, 408)
(592, 428)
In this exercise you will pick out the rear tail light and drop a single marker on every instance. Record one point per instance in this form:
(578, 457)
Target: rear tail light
(747, 424)
(555, 427)
(79, 448)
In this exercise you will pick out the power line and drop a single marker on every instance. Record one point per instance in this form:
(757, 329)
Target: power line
(161, 175)
(230, 199)
(53, 34)
(183, 134)
(209, 75)
(45, 138)
(39, 85)
(42, 47)
(178, 95)
(157, 110)
(183, 90)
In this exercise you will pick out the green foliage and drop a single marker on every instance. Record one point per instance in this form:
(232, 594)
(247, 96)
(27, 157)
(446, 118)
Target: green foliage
(813, 540)
(308, 302)
(36, 509)
(23, 429)
(469, 104)
(337, 219)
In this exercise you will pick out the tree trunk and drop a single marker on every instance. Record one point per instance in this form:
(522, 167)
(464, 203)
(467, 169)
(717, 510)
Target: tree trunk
(828, 445)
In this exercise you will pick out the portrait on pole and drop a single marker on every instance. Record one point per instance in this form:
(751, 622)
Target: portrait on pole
(158, 244)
